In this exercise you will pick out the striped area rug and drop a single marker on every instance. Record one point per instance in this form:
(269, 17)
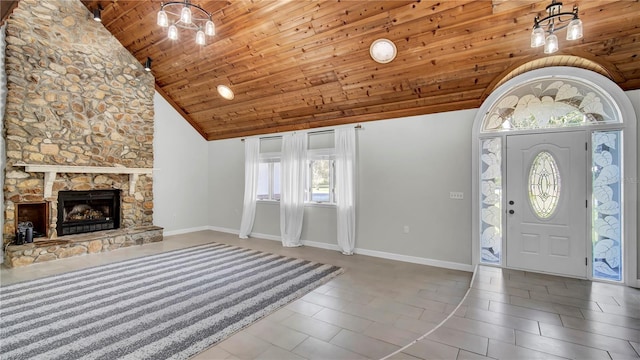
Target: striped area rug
(167, 306)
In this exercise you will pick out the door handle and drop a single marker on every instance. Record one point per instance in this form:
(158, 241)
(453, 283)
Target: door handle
(511, 202)
(512, 212)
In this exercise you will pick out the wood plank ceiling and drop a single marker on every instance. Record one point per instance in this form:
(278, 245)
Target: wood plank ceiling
(300, 64)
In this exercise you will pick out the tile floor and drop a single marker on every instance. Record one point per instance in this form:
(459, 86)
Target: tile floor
(379, 306)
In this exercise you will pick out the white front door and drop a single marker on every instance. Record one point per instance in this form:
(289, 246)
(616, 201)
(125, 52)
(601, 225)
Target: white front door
(546, 203)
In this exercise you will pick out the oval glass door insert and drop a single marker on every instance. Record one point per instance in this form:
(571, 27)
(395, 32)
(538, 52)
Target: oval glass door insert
(544, 185)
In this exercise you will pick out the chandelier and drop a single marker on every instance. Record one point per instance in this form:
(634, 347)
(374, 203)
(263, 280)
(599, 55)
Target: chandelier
(544, 29)
(185, 15)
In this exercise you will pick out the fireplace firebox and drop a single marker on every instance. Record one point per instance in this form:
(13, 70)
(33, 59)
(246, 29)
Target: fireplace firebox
(88, 211)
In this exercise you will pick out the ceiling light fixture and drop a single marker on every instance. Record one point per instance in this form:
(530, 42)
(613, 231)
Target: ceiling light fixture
(383, 51)
(97, 16)
(225, 92)
(147, 64)
(185, 15)
(544, 29)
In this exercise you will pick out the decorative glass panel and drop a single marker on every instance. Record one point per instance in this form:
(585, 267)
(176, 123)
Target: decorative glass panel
(551, 103)
(606, 217)
(544, 185)
(491, 198)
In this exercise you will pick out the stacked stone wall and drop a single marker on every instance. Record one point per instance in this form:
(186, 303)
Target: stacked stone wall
(75, 96)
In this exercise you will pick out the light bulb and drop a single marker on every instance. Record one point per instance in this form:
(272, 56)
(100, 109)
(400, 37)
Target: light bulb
(173, 32)
(537, 37)
(185, 15)
(551, 44)
(210, 28)
(200, 40)
(162, 19)
(574, 30)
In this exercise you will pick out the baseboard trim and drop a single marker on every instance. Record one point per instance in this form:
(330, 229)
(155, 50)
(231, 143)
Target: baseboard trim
(415, 260)
(373, 253)
(185, 231)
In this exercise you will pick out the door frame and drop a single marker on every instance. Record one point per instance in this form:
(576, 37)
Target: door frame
(631, 273)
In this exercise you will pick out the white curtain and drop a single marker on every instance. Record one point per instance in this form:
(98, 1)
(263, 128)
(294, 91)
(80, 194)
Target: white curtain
(345, 142)
(293, 165)
(251, 169)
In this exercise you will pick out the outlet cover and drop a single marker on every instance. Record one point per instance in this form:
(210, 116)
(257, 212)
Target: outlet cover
(456, 195)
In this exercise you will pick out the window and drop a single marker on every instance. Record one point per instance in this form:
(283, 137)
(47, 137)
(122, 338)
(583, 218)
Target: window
(320, 188)
(269, 179)
(321, 181)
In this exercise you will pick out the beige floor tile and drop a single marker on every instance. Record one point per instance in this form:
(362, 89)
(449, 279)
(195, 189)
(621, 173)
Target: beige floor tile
(481, 328)
(546, 306)
(277, 334)
(601, 342)
(391, 334)
(630, 311)
(418, 301)
(355, 297)
(213, 353)
(369, 313)
(244, 345)
(276, 353)
(343, 320)
(477, 303)
(447, 299)
(362, 344)
(280, 314)
(619, 320)
(526, 313)
(427, 349)
(500, 350)
(313, 348)
(558, 347)
(501, 289)
(579, 302)
(310, 326)
(489, 295)
(414, 325)
(304, 307)
(523, 285)
(402, 356)
(396, 307)
(460, 339)
(508, 321)
(466, 355)
(325, 301)
(595, 327)
(434, 316)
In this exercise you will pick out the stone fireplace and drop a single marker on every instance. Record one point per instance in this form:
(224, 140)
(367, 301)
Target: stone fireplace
(78, 120)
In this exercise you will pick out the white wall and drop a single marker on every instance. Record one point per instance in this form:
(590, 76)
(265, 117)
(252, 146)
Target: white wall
(181, 179)
(226, 184)
(406, 169)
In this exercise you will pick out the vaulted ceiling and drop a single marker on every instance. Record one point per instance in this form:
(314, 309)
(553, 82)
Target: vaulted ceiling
(300, 64)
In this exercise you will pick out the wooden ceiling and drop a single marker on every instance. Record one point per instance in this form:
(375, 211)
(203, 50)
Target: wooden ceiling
(300, 64)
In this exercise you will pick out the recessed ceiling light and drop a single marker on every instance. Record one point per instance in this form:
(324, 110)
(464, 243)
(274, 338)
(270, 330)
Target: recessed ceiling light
(225, 92)
(383, 51)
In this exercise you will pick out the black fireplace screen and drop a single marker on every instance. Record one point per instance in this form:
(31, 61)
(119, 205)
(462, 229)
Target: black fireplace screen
(88, 211)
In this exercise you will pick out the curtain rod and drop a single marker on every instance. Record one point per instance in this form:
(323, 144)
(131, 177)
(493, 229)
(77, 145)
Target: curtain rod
(357, 127)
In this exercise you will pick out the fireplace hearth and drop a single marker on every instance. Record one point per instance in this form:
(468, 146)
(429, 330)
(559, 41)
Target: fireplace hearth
(88, 211)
